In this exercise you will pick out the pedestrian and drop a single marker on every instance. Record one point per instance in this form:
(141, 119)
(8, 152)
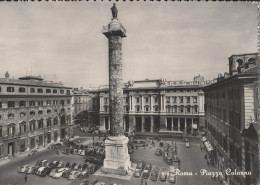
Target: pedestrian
(25, 178)
(136, 147)
(208, 162)
(145, 182)
(142, 181)
(179, 162)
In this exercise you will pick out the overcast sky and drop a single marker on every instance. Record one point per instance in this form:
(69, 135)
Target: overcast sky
(62, 41)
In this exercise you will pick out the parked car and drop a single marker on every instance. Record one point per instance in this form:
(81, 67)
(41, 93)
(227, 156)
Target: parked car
(83, 153)
(79, 151)
(154, 176)
(163, 176)
(140, 165)
(66, 173)
(35, 169)
(83, 175)
(23, 168)
(161, 144)
(68, 165)
(137, 173)
(146, 174)
(148, 166)
(187, 145)
(30, 170)
(82, 167)
(43, 163)
(76, 167)
(158, 152)
(73, 164)
(74, 151)
(175, 158)
(33, 152)
(45, 172)
(172, 178)
(61, 164)
(66, 151)
(53, 171)
(59, 173)
(39, 171)
(92, 168)
(90, 159)
(54, 163)
(169, 160)
(73, 174)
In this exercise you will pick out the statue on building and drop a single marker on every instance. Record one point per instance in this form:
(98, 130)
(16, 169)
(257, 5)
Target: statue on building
(114, 11)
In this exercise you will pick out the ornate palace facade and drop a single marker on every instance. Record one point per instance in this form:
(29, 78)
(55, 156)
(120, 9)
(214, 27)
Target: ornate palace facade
(153, 105)
(33, 113)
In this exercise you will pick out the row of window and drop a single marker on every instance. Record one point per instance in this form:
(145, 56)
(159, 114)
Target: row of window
(232, 93)
(38, 90)
(32, 125)
(11, 104)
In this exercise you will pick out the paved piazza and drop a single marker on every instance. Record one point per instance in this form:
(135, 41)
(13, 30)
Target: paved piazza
(192, 160)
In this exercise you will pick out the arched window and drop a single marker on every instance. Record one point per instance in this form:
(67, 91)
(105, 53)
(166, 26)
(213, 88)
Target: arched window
(48, 111)
(22, 114)
(168, 108)
(11, 129)
(63, 120)
(48, 122)
(32, 124)
(146, 108)
(40, 123)
(22, 127)
(32, 113)
(55, 121)
(40, 112)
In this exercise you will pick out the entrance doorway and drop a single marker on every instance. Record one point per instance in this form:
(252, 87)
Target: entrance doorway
(169, 124)
(11, 149)
(147, 124)
(175, 124)
(106, 123)
(182, 124)
(138, 124)
(156, 123)
(62, 133)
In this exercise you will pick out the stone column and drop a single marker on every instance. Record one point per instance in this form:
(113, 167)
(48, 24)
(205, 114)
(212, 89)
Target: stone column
(179, 124)
(151, 124)
(191, 125)
(172, 123)
(151, 103)
(185, 125)
(142, 104)
(143, 124)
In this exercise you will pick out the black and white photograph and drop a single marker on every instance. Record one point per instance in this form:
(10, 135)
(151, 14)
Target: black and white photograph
(129, 93)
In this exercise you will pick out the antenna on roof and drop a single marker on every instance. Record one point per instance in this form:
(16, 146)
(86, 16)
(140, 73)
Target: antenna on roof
(31, 69)
(26, 71)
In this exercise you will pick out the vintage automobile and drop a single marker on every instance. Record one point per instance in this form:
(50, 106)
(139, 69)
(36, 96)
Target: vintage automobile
(175, 158)
(61, 164)
(33, 152)
(66, 173)
(158, 152)
(59, 173)
(140, 164)
(172, 178)
(83, 175)
(148, 167)
(73, 175)
(44, 172)
(22, 169)
(163, 176)
(53, 171)
(187, 145)
(146, 174)
(137, 173)
(30, 170)
(154, 176)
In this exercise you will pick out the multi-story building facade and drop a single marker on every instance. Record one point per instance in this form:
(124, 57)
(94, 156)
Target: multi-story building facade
(230, 107)
(153, 105)
(81, 106)
(33, 113)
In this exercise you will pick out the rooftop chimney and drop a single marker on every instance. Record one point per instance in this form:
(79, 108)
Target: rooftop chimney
(6, 74)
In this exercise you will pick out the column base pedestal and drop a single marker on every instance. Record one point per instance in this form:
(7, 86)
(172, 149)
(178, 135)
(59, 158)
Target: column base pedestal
(117, 159)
